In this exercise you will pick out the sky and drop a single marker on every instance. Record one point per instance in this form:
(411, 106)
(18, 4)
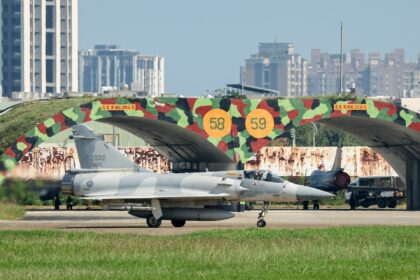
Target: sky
(205, 42)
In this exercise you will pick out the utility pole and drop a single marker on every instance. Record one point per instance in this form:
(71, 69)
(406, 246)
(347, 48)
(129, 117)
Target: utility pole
(314, 133)
(114, 141)
(341, 58)
(293, 135)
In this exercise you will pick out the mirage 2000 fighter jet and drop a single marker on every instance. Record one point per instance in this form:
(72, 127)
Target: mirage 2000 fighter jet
(107, 175)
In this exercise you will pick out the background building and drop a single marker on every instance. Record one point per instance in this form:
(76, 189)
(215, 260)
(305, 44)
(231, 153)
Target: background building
(324, 72)
(391, 75)
(39, 46)
(276, 67)
(107, 67)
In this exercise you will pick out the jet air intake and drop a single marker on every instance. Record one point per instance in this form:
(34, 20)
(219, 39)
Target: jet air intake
(67, 187)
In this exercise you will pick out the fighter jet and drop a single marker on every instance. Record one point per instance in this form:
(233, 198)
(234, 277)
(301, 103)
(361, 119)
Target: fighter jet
(106, 174)
(330, 181)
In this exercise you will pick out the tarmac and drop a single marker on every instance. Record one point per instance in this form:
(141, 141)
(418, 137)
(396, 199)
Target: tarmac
(121, 221)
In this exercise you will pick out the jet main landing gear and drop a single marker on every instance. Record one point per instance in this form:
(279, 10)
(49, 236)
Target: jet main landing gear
(178, 223)
(152, 222)
(261, 222)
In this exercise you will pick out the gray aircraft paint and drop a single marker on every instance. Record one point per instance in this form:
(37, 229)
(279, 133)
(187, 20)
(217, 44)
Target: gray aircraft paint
(108, 175)
(95, 153)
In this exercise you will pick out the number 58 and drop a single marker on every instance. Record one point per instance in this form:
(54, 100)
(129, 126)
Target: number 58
(217, 123)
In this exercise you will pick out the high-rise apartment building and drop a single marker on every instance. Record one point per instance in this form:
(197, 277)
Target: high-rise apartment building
(418, 62)
(391, 75)
(109, 66)
(276, 67)
(324, 72)
(39, 46)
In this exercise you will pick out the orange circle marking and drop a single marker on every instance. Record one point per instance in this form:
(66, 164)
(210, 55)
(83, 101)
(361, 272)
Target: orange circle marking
(217, 123)
(259, 123)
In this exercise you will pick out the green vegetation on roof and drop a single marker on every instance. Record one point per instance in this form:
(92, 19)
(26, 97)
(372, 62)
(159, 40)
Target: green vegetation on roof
(27, 115)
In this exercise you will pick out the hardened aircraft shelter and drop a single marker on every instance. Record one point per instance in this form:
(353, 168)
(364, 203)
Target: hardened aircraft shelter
(196, 134)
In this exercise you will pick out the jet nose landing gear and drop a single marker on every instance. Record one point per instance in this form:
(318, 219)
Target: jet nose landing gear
(261, 222)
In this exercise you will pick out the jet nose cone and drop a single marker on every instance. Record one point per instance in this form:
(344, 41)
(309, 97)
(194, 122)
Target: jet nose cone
(304, 193)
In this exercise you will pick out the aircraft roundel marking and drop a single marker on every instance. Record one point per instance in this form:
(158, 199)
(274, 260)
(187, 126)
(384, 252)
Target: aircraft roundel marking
(259, 123)
(217, 123)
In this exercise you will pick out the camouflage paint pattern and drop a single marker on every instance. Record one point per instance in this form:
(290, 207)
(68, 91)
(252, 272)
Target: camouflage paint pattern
(188, 113)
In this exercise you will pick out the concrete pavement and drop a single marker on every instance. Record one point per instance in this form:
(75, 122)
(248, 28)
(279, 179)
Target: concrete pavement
(121, 221)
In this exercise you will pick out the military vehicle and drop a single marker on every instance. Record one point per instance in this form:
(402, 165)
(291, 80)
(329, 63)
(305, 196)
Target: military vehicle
(384, 191)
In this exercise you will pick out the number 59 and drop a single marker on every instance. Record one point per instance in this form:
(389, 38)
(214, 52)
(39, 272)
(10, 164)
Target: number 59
(258, 123)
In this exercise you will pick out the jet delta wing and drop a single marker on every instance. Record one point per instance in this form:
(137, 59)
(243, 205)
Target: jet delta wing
(108, 175)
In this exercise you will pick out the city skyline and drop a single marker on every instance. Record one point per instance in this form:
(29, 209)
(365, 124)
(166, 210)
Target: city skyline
(278, 67)
(205, 43)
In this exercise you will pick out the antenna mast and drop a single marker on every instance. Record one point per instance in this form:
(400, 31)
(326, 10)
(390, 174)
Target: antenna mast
(341, 58)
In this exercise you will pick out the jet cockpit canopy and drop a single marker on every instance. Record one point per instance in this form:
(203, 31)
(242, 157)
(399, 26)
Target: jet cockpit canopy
(263, 175)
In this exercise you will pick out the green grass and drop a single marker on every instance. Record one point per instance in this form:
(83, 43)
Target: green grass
(333, 253)
(9, 211)
(24, 117)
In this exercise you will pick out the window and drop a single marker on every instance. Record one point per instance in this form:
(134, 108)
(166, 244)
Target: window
(266, 76)
(49, 47)
(50, 70)
(16, 7)
(49, 17)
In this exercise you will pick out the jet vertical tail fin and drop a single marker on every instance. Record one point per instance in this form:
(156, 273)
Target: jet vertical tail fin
(338, 155)
(95, 153)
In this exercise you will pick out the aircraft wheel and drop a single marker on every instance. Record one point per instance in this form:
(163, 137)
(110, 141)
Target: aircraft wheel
(261, 223)
(365, 204)
(352, 201)
(392, 203)
(305, 205)
(381, 203)
(352, 204)
(178, 223)
(152, 222)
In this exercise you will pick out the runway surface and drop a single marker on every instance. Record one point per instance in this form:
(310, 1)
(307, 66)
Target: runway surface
(120, 221)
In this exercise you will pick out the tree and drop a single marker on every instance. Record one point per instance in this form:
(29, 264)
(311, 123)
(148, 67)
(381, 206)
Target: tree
(326, 136)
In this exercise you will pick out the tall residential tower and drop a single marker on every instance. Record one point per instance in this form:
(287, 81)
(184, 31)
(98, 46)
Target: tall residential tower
(276, 67)
(109, 66)
(39, 46)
